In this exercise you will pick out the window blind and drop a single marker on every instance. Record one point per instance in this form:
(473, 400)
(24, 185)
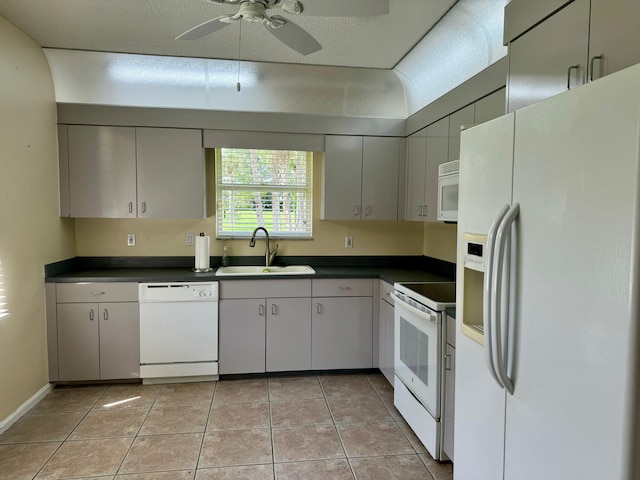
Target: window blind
(264, 188)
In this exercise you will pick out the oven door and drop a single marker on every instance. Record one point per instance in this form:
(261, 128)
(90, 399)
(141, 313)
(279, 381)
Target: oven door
(417, 353)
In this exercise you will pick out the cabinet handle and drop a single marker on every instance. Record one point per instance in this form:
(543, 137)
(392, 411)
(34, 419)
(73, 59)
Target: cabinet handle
(319, 308)
(591, 65)
(144, 207)
(356, 210)
(344, 288)
(130, 207)
(572, 67)
(425, 210)
(97, 292)
(91, 314)
(105, 314)
(367, 210)
(419, 210)
(274, 309)
(261, 310)
(447, 362)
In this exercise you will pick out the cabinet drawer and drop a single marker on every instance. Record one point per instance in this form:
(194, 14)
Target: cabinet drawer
(386, 291)
(265, 288)
(97, 292)
(342, 287)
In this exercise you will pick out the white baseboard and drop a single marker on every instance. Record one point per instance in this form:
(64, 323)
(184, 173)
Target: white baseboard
(25, 407)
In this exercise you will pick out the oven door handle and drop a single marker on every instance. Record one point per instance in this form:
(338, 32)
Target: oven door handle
(426, 315)
(489, 295)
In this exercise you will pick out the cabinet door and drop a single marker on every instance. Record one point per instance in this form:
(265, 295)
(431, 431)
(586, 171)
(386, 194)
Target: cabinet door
(540, 60)
(342, 178)
(386, 340)
(438, 147)
(119, 340)
(63, 169)
(458, 119)
(170, 166)
(78, 341)
(102, 171)
(416, 155)
(288, 334)
(449, 399)
(490, 107)
(614, 36)
(341, 333)
(242, 336)
(380, 167)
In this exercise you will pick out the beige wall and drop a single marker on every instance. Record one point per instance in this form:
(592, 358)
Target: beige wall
(440, 241)
(105, 237)
(31, 233)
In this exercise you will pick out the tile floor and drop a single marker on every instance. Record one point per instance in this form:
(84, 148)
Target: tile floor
(307, 427)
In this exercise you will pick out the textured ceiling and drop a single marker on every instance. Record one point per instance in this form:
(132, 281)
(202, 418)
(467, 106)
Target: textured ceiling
(150, 26)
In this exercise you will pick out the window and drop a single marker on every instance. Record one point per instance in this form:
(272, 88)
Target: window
(4, 311)
(264, 188)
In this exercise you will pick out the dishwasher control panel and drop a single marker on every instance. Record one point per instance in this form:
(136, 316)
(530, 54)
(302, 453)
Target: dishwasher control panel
(178, 292)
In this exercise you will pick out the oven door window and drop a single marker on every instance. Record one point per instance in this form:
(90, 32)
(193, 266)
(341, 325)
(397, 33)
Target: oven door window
(417, 351)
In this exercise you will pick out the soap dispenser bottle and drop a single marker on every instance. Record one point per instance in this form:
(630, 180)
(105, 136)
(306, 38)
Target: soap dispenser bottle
(225, 256)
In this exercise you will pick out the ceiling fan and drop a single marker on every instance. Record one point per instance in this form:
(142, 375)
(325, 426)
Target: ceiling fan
(293, 36)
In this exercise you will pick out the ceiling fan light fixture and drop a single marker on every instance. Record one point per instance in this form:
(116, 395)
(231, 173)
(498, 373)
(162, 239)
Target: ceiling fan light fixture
(292, 7)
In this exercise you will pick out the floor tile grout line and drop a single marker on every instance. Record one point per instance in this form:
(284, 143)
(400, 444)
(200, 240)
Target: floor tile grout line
(139, 428)
(204, 432)
(273, 446)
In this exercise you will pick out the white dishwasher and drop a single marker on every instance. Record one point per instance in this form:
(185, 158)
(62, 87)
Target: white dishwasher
(178, 331)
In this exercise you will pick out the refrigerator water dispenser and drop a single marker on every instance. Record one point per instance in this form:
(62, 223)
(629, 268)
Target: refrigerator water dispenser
(473, 285)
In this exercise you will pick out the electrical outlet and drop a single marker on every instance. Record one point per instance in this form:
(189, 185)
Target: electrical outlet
(131, 239)
(190, 241)
(348, 242)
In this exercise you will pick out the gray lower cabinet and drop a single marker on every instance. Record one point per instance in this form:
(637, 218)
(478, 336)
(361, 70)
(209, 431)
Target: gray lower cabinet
(288, 342)
(386, 332)
(96, 340)
(242, 336)
(449, 388)
(342, 333)
(265, 326)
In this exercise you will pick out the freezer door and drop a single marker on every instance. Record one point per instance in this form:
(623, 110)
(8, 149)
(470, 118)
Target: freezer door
(486, 160)
(576, 179)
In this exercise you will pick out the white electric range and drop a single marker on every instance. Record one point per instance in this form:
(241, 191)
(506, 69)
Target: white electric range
(420, 339)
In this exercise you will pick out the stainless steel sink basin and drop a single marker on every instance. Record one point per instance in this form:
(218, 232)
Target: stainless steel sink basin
(256, 270)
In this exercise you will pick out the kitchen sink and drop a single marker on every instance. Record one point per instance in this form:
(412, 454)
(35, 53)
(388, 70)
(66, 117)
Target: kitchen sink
(257, 270)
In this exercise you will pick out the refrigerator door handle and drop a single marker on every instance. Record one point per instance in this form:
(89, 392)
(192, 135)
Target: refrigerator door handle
(501, 305)
(487, 314)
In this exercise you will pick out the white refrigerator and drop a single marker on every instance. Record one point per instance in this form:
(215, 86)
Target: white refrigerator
(570, 319)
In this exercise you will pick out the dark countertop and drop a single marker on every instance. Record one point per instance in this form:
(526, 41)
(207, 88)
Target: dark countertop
(114, 269)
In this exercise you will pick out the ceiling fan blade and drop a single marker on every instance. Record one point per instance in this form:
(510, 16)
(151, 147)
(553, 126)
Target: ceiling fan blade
(210, 26)
(294, 36)
(342, 8)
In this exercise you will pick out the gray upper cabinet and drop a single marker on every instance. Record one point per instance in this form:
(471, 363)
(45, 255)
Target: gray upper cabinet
(416, 167)
(553, 56)
(102, 171)
(563, 30)
(63, 156)
(170, 173)
(426, 149)
(128, 172)
(614, 36)
(490, 107)
(463, 117)
(360, 178)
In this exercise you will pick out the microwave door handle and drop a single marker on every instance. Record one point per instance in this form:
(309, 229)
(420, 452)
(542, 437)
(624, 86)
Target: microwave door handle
(488, 295)
(502, 301)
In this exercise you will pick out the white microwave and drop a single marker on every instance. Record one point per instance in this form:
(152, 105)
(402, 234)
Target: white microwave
(448, 180)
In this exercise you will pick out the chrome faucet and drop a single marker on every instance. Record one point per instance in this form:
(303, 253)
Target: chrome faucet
(268, 254)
